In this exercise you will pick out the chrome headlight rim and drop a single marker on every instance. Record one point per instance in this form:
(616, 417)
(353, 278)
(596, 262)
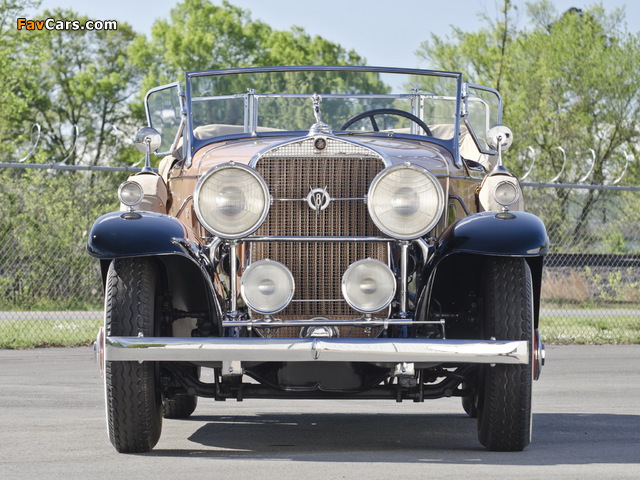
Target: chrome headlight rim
(215, 170)
(246, 275)
(130, 187)
(438, 190)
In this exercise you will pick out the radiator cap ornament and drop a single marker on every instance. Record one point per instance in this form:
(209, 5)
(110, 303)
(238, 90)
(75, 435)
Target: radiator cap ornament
(318, 128)
(318, 199)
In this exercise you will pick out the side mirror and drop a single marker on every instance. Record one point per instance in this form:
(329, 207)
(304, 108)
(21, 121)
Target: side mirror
(147, 140)
(499, 138)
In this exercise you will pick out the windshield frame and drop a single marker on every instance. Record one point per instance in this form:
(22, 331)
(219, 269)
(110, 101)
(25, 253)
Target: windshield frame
(195, 144)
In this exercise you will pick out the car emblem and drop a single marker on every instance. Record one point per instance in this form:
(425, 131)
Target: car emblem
(318, 199)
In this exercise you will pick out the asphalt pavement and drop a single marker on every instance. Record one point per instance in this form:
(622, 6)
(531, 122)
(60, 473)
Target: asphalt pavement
(586, 425)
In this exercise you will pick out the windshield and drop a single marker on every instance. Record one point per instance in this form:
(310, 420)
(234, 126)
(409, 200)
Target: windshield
(264, 100)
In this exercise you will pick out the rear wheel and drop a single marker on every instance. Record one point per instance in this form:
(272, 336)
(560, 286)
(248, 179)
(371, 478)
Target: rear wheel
(470, 404)
(504, 400)
(179, 406)
(134, 407)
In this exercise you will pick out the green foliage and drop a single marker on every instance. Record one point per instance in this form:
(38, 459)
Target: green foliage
(568, 80)
(15, 97)
(583, 327)
(76, 78)
(200, 36)
(16, 334)
(44, 218)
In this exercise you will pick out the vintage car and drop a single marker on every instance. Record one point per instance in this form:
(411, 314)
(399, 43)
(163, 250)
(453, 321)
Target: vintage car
(333, 232)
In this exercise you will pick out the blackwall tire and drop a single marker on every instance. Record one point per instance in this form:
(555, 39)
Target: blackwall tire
(179, 406)
(133, 403)
(504, 401)
(470, 405)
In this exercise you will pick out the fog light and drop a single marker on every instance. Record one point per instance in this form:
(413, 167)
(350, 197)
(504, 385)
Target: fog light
(267, 286)
(368, 285)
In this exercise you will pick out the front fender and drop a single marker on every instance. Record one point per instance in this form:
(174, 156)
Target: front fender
(514, 234)
(495, 233)
(137, 234)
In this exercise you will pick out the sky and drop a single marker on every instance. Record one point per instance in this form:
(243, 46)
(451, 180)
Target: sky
(385, 32)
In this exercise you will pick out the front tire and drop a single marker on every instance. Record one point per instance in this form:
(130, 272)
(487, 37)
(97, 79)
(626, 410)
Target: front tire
(133, 402)
(504, 400)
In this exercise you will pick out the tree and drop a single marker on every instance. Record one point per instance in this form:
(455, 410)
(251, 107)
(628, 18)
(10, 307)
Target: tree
(568, 80)
(14, 100)
(201, 36)
(83, 80)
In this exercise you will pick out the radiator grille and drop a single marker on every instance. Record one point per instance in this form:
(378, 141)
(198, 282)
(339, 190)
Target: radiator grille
(291, 172)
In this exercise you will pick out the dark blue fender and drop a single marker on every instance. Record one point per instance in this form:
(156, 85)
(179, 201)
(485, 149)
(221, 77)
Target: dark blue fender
(144, 234)
(518, 234)
(136, 234)
(513, 234)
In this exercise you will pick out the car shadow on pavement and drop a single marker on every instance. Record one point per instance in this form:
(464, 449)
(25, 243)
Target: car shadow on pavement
(557, 438)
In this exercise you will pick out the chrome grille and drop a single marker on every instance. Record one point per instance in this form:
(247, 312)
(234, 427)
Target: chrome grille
(291, 172)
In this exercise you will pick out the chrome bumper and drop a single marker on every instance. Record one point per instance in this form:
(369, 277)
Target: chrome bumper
(393, 350)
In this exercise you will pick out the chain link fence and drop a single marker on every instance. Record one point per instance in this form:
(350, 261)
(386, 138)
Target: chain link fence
(591, 283)
(50, 289)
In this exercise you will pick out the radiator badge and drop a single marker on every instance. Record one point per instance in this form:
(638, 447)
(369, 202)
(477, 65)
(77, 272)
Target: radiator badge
(318, 199)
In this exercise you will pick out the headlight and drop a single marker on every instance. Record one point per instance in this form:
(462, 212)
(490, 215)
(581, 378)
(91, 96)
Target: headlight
(499, 191)
(267, 286)
(405, 201)
(506, 193)
(130, 193)
(368, 285)
(231, 200)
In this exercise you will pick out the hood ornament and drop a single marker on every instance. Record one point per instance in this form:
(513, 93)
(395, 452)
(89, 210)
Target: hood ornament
(318, 128)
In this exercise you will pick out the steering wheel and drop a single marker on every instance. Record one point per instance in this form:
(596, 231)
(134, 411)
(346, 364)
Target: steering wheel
(385, 111)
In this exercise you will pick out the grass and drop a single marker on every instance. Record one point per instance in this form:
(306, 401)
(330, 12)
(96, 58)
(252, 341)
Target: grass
(48, 333)
(620, 328)
(578, 326)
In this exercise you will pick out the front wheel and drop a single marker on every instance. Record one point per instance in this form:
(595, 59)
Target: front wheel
(133, 402)
(504, 400)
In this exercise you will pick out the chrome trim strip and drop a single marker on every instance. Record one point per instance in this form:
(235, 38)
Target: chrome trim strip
(275, 323)
(318, 300)
(325, 68)
(183, 206)
(461, 201)
(404, 279)
(215, 349)
(363, 199)
(233, 275)
(318, 239)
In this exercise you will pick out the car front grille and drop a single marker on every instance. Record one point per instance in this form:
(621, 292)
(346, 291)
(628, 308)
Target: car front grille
(344, 170)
